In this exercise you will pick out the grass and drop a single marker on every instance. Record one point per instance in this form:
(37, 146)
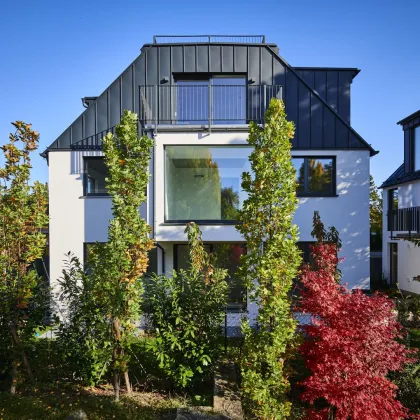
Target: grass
(98, 404)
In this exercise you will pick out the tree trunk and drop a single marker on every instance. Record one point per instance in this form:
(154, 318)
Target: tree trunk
(127, 383)
(331, 413)
(14, 378)
(116, 359)
(16, 344)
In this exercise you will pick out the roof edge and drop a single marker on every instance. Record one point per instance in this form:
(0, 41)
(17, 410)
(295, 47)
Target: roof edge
(409, 118)
(355, 70)
(373, 152)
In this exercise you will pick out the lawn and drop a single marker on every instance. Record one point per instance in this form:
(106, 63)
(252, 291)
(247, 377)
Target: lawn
(58, 402)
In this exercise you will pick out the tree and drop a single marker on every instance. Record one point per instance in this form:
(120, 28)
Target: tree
(23, 215)
(187, 311)
(115, 268)
(270, 264)
(375, 204)
(351, 345)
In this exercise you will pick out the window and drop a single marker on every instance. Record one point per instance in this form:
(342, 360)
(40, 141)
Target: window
(226, 256)
(315, 176)
(94, 177)
(153, 260)
(393, 209)
(203, 183)
(221, 99)
(416, 151)
(305, 249)
(393, 262)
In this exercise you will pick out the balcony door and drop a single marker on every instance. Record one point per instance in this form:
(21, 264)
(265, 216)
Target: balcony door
(213, 100)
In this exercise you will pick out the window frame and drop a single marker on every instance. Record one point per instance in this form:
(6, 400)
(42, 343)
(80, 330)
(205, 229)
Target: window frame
(413, 148)
(307, 193)
(230, 308)
(86, 177)
(210, 222)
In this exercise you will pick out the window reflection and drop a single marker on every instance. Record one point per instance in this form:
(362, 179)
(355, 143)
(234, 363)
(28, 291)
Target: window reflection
(203, 183)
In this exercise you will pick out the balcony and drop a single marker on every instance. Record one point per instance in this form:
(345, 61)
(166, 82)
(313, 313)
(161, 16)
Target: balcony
(204, 106)
(194, 39)
(405, 221)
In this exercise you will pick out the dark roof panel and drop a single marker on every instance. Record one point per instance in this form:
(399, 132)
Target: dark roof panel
(399, 177)
(318, 124)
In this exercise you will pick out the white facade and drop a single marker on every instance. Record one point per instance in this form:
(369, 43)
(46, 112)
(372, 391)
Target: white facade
(75, 219)
(408, 265)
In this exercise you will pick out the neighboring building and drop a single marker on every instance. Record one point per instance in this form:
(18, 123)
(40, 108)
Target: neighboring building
(401, 213)
(196, 97)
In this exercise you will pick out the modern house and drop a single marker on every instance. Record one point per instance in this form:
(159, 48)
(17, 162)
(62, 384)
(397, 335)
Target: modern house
(401, 213)
(196, 97)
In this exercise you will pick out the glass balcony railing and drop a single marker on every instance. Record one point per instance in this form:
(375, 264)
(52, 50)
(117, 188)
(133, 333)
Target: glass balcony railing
(203, 104)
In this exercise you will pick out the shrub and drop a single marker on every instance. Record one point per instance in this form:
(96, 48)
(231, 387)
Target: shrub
(350, 347)
(187, 311)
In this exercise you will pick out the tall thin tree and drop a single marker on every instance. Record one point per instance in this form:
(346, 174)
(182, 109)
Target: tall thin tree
(23, 215)
(271, 263)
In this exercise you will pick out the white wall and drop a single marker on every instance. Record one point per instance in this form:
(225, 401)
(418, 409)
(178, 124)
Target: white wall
(408, 253)
(74, 219)
(349, 212)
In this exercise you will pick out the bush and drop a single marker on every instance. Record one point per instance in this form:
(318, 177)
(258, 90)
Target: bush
(83, 338)
(187, 311)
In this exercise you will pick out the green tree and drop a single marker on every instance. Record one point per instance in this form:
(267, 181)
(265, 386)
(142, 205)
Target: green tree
(23, 214)
(270, 265)
(115, 268)
(375, 204)
(187, 311)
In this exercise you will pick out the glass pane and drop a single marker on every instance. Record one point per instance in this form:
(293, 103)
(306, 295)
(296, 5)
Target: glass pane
(229, 100)
(320, 176)
(299, 164)
(192, 98)
(228, 256)
(417, 148)
(203, 183)
(96, 172)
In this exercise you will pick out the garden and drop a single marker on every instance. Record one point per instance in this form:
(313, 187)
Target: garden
(114, 341)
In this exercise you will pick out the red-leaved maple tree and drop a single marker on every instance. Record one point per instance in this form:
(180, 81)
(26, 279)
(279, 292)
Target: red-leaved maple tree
(350, 346)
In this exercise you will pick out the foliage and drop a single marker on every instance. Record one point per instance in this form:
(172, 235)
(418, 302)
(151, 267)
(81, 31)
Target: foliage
(351, 345)
(270, 265)
(24, 296)
(115, 268)
(408, 307)
(187, 311)
(375, 204)
(84, 340)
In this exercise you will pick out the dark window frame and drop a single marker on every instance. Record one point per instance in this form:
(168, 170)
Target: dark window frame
(306, 192)
(86, 177)
(209, 222)
(231, 308)
(413, 148)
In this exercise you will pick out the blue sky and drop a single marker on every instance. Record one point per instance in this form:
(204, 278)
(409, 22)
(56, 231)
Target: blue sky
(53, 52)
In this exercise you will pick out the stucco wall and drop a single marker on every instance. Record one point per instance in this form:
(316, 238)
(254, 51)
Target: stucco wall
(75, 219)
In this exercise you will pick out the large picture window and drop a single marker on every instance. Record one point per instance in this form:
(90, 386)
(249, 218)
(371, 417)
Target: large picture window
(94, 177)
(315, 176)
(227, 256)
(203, 183)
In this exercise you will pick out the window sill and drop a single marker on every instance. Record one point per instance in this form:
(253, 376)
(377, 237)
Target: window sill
(201, 222)
(317, 195)
(96, 196)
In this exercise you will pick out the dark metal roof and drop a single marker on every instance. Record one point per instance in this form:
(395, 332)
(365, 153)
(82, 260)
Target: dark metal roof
(321, 117)
(400, 177)
(409, 118)
(353, 70)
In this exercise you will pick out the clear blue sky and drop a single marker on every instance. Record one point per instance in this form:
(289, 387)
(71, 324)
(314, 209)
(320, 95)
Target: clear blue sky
(53, 52)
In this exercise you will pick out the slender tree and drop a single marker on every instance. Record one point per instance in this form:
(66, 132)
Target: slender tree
(23, 214)
(118, 265)
(270, 265)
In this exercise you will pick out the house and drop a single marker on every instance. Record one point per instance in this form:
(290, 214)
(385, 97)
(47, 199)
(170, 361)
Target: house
(401, 213)
(196, 97)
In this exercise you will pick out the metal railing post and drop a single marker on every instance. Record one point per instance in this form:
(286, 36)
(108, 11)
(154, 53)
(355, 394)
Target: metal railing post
(210, 106)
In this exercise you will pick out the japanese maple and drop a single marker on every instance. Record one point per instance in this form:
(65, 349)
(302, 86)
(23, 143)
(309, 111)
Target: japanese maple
(350, 347)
